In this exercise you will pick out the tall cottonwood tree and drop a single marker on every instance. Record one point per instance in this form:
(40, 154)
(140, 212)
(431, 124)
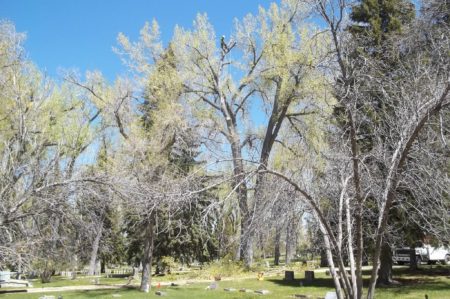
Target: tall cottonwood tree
(268, 61)
(45, 130)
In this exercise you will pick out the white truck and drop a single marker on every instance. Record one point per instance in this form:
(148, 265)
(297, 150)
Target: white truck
(425, 253)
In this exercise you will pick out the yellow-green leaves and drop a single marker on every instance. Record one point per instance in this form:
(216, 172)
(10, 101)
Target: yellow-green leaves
(140, 55)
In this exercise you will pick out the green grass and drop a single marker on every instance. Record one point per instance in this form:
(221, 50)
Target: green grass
(434, 282)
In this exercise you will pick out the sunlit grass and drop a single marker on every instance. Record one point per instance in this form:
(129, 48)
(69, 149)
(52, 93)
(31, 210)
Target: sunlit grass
(434, 282)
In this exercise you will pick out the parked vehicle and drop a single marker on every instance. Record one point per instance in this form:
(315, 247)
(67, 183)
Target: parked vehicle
(425, 253)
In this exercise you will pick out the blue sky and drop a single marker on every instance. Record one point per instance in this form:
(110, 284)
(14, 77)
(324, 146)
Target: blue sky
(81, 33)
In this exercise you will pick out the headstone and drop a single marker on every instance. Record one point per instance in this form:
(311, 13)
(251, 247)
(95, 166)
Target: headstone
(244, 290)
(309, 276)
(229, 290)
(331, 295)
(116, 295)
(262, 292)
(267, 264)
(289, 275)
(212, 286)
(160, 293)
(302, 296)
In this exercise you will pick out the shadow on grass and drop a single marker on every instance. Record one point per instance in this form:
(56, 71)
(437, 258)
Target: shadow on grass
(423, 280)
(414, 287)
(318, 283)
(424, 270)
(108, 293)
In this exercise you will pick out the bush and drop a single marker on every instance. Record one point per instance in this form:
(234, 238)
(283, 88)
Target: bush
(166, 264)
(224, 268)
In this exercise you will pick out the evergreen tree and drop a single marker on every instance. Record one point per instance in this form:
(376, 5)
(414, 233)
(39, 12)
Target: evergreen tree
(376, 19)
(178, 234)
(376, 23)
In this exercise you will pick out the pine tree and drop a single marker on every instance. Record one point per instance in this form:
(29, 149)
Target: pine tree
(376, 22)
(376, 19)
(173, 153)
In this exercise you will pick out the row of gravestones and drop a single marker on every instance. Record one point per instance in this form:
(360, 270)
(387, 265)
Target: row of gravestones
(289, 276)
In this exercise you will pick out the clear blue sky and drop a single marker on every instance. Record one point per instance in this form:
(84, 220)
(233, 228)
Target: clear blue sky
(81, 33)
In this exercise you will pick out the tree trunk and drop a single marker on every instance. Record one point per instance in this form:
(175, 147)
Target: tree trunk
(385, 271)
(147, 258)
(94, 251)
(239, 184)
(46, 276)
(102, 266)
(413, 264)
(246, 243)
(351, 254)
(261, 246)
(330, 262)
(276, 261)
(237, 254)
(323, 258)
(290, 240)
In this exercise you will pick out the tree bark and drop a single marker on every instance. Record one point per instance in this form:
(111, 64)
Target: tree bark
(102, 266)
(290, 241)
(276, 261)
(413, 265)
(330, 262)
(94, 251)
(261, 246)
(323, 258)
(246, 237)
(351, 254)
(237, 254)
(147, 257)
(46, 276)
(385, 272)
(358, 208)
(247, 245)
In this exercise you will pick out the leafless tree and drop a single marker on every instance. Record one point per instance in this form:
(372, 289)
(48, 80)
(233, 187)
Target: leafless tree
(412, 96)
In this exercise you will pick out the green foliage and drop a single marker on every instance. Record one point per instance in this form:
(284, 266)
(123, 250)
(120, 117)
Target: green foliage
(166, 264)
(225, 267)
(375, 19)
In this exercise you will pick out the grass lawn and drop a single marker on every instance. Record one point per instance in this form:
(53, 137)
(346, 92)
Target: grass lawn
(434, 282)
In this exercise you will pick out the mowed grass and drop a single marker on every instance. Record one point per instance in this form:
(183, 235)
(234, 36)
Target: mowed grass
(434, 282)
